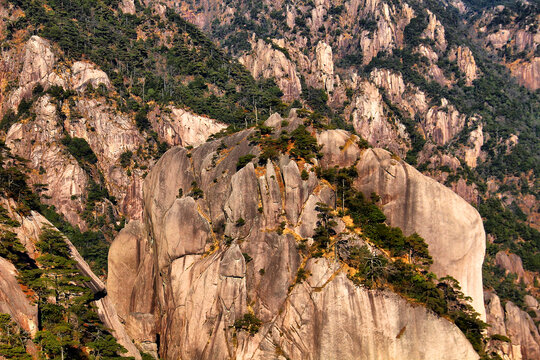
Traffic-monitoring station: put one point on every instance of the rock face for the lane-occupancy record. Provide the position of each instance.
(369, 119)
(388, 327)
(127, 6)
(202, 259)
(476, 140)
(40, 142)
(435, 31)
(84, 74)
(512, 263)
(419, 204)
(13, 300)
(325, 65)
(527, 73)
(514, 323)
(180, 127)
(466, 64)
(130, 263)
(267, 61)
(108, 132)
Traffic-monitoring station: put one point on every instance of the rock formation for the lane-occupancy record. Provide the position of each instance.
(108, 133)
(268, 60)
(205, 256)
(527, 73)
(514, 323)
(14, 301)
(419, 204)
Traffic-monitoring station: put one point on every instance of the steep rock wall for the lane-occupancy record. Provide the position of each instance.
(196, 288)
(416, 203)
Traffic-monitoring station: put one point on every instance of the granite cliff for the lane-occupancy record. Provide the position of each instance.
(184, 277)
(288, 239)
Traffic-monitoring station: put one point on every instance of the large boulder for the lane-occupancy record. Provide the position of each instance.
(451, 227)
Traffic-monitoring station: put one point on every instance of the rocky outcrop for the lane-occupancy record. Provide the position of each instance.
(130, 272)
(39, 141)
(512, 264)
(466, 63)
(127, 6)
(409, 98)
(271, 60)
(435, 31)
(84, 74)
(440, 123)
(37, 68)
(370, 121)
(226, 245)
(390, 24)
(474, 151)
(180, 127)
(325, 65)
(416, 203)
(527, 73)
(443, 122)
(109, 133)
(14, 297)
(514, 323)
(388, 327)
(14, 301)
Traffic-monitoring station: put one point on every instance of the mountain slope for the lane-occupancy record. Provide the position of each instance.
(92, 94)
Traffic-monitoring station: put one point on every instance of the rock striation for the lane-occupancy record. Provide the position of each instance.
(273, 61)
(203, 257)
(14, 301)
(510, 321)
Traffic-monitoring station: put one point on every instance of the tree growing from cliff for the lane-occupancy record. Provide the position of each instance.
(69, 322)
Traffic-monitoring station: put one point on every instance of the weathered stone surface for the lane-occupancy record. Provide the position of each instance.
(185, 231)
(242, 203)
(476, 140)
(370, 121)
(313, 322)
(201, 290)
(514, 323)
(527, 73)
(467, 64)
(84, 74)
(13, 300)
(443, 122)
(435, 31)
(269, 62)
(127, 6)
(339, 148)
(130, 284)
(180, 127)
(39, 141)
(416, 203)
(512, 263)
(325, 65)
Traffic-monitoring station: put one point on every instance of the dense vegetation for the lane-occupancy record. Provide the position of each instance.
(12, 339)
(68, 323)
(511, 233)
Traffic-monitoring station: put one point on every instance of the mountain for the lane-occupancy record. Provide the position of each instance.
(335, 130)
